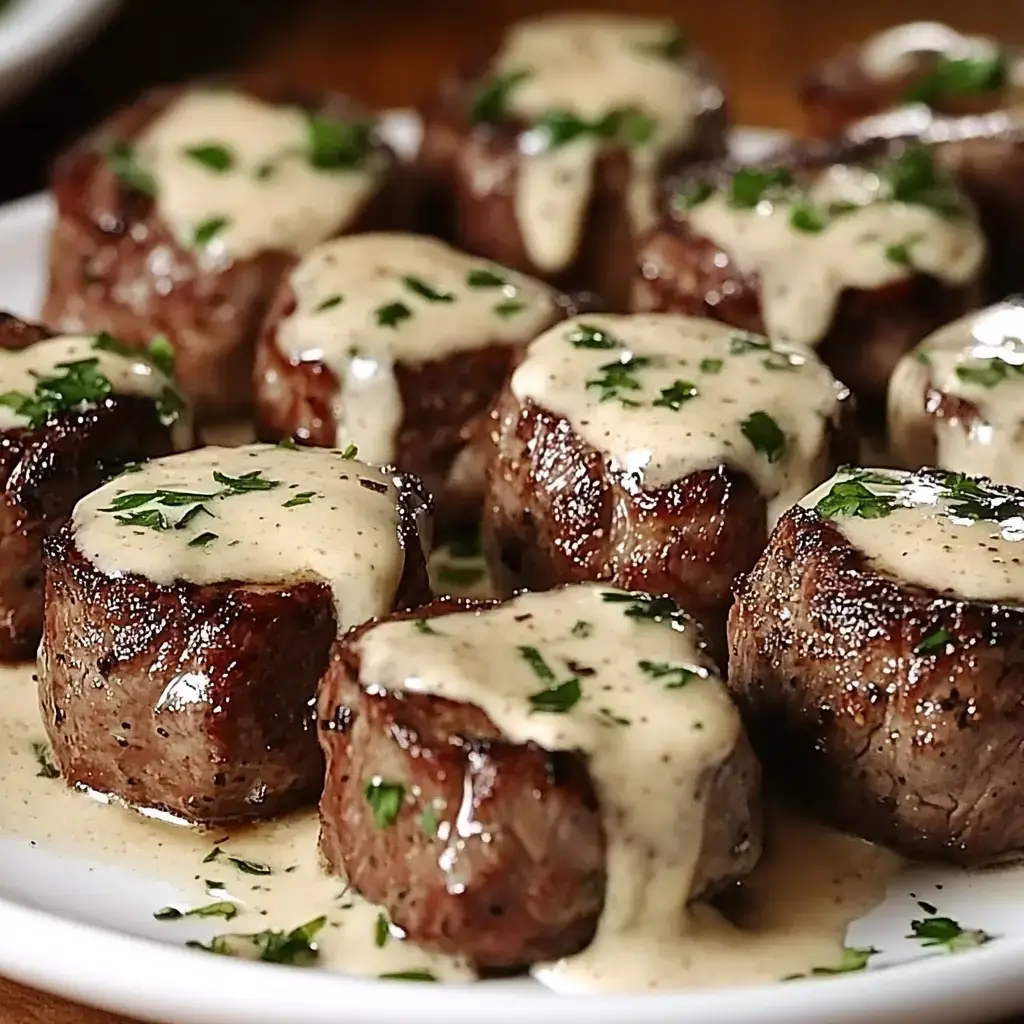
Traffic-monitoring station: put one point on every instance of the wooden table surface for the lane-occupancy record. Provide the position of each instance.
(388, 52)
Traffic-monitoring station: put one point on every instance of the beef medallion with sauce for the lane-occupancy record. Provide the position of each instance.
(181, 214)
(957, 400)
(877, 654)
(398, 344)
(547, 156)
(553, 777)
(189, 613)
(74, 411)
(655, 451)
(918, 63)
(856, 252)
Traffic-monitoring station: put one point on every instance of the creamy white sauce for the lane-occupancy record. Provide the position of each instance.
(896, 51)
(924, 541)
(344, 289)
(343, 528)
(21, 370)
(589, 65)
(803, 274)
(980, 359)
(656, 445)
(652, 749)
(292, 207)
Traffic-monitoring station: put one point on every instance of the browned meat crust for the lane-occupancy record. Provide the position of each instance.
(557, 512)
(43, 473)
(680, 271)
(115, 266)
(530, 886)
(919, 751)
(192, 699)
(469, 174)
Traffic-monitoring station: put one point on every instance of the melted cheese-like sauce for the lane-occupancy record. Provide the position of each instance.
(342, 527)
(802, 274)
(344, 287)
(979, 359)
(292, 206)
(735, 376)
(923, 540)
(649, 747)
(21, 369)
(589, 65)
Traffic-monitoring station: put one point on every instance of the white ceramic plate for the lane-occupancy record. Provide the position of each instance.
(86, 931)
(35, 35)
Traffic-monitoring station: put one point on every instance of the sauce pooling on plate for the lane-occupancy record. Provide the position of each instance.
(77, 372)
(583, 82)
(850, 228)
(962, 390)
(958, 535)
(366, 302)
(259, 514)
(233, 176)
(664, 396)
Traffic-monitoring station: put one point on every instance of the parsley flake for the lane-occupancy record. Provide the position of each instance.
(330, 302)
(959, 76)
(44, 758)
(223, 908)
(302, 498)
(484, 278)
(203, 539)
(426, 291)
(334, 145)
(277, 947)
(765, 435)
(588, 336)
(508, 308)
(934, 641)
(491, 100)
(392, 314)
(854, 958)
(385, 800)
(208, 230)
(676, 396)
(407, 976)
(620, 376)
(946, 933)
(850, 498)
(213, 156)
(675, 677)
(120, 159)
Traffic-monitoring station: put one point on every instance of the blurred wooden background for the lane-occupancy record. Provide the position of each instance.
(388, 52)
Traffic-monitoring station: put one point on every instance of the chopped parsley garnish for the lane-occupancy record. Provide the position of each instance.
(302, 498)
(424, 627)
(647, 606)
(223, 908)
(693, 196)
(350, 452)
(627, 125)
(741, 344)
(385, 800)
(72, 385)
(150, 519)
(749, 186)
(913, 178)
(509, 308)
(711, 365)
(618, 377)
(276, 947)
(247, 482)
(484, 278)
(934, 641)
(329, 303)
(202, 540)
(491, 101)
(381, 930)
(158, 352)
(208, 231)
(958, 76)
(47, 769)
(987, 372)
(583, 629)
(852, 499)
(121, 160)
(429, 821)
(676, 396)
(855, 958)
(588, 336)
(899, 253)
(608, 717)
(425, 291)
(970, 501)
(250, 867)
(407, 976)
(392, 314)
(765, 435)
(169, 405)
(213, 156)
(334, 145)
(212, 855)
(946, 933)
(675, 677)
(557, 699)
(805, 216)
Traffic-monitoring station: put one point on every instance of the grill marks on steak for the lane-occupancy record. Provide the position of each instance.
(497, 850)
(43, 472)
(115, 266)
(920, 751)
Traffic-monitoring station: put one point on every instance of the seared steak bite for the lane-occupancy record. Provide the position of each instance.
(957, 400)
(399, 345)
(181, 214)
(190, 610)
(546, 157)
(512, 781)
(73, 412)
(654, 451)
(877, 654)
(859, 254)
(921, 62)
